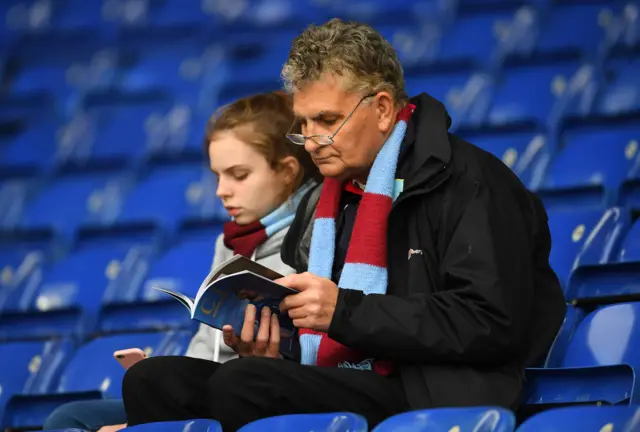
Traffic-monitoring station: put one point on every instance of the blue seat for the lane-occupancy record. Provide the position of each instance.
(13, 196)
(70, 292)
(168, 194)
(380, 12)
(600, 362)
(73, 200)
(124, 130)
(618, 277)
(30, 368)
(334, 422)
(33, 149)
(526, 153)
(585, 419)
(21, 268)
(569, 233)
(181, 268)
(573, 318)
(466, 96)
(551, 90)
(573, 29)
(477, 419)
(198, 425)
(92, 373)
(622, 92)
(591, 166)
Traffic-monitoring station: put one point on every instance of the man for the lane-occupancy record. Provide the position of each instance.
(428, 280)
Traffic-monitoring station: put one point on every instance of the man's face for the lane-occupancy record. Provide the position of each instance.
(321, 107)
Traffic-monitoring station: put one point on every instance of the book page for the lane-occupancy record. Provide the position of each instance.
(186, 301)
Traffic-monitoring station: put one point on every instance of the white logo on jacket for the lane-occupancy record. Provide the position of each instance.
(413, 252)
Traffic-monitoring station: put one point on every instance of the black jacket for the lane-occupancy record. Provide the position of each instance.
(463, 318)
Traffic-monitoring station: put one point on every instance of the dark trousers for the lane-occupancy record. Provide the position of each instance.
(243, 390)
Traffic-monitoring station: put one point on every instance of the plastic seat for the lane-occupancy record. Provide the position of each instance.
(181, 268)
(21, 269)
(68, 296)
(599, 364)
(569, 232)
(573, 30)
(591, 166)
(548, 88)
(73, 200)
(125, 130)
(573, 318)
(466, 96)
(199, 425)
(617, 278)
(333, 422)
(13, 196)
(168, 194)
(33, 149)
(526, 153)
(477, 419)
(92, 373)
(585, 419)
(622, 92)
(30, 368)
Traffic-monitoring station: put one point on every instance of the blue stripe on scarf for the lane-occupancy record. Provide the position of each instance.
(283, 216)
(323, 239)
(309, 344)
(381, 179)
(367, 278)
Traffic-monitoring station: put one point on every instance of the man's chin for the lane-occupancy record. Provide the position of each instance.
(331, 170)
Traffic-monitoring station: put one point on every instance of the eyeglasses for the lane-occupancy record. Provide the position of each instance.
(323, 140)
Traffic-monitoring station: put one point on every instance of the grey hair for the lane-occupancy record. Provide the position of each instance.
(353, 50)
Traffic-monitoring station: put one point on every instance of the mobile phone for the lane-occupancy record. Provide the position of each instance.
(129, 357)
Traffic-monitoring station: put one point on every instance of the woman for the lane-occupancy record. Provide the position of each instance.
(261, 180)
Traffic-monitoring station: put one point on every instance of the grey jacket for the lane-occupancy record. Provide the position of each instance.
(207, 343)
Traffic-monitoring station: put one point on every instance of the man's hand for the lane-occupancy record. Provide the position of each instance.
(313, 308)
(267, 343)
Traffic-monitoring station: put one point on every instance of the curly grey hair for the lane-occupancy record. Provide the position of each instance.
(349, 49)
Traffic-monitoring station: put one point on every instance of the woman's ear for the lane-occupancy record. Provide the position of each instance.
(289, 167)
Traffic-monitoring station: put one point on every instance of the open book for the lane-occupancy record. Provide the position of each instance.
(228, 289)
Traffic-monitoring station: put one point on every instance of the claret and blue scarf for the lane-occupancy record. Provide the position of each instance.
(365, 267)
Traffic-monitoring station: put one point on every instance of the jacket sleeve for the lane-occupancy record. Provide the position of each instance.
(480, 310)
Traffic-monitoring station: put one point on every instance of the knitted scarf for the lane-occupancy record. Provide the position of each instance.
(244, 239)
(365, 267)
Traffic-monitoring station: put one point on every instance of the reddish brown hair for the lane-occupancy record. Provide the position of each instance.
(262, 121)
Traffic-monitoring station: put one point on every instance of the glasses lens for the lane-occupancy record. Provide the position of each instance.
(297, 139)
(322, 139)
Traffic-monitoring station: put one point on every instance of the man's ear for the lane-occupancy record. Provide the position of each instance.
(385, 111)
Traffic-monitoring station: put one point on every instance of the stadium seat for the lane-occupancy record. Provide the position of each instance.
(573, 318)
(574, 29)
(35, 148)
(465, 96)
(569, 232)
(125, 129)
(92, 373)
(551, 90)
(526, 153)
(618, 278)
(477, 419)
(20, 274)
(30, 368)
(170, 193)
(14, 193)
(69, 294)
(591, 166)
(199, 425)
(585, 419)
(622, 93)
(333, 422)
(181, 268)
(73, 200)
(600, 362)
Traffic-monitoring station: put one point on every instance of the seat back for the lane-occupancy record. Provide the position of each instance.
(331, 422)
(585, 419)
(477, 419)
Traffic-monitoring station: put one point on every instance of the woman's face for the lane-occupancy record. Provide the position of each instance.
(248, 187)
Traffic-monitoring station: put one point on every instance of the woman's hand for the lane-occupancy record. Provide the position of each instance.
(267, 342)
